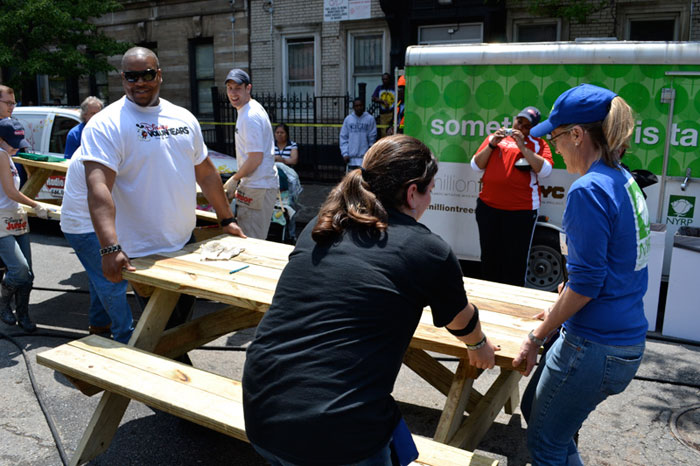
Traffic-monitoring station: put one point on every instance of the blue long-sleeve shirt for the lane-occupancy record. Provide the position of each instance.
(356, 136)
(73, 140)
(608, 236)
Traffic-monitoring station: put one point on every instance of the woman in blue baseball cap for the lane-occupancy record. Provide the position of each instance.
(600, 308)
(15, 250)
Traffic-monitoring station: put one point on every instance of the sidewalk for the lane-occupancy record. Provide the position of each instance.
(642, 426)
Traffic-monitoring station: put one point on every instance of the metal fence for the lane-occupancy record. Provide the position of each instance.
(314, 124)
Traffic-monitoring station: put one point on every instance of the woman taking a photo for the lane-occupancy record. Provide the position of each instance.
(286, 151)
(607, 236)
(15, 250)
(319, 374)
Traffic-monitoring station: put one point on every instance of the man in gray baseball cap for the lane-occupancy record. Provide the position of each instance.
(255, 185)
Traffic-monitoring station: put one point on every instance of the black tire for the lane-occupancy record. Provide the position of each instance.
(545, 267)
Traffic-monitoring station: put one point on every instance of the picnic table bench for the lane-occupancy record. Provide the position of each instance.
(506, 314)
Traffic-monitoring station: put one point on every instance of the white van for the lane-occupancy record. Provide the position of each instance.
(46, 130)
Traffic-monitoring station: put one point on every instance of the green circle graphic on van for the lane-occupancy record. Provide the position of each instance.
(427, 94)
(522, 94)
(615, 71)
(456, 107)
(457, 94)
(489, 95)
(507, 70)
(553, 91)
(636, 95)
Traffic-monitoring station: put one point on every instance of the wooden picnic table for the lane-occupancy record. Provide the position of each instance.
(38, 172)
(506, 314)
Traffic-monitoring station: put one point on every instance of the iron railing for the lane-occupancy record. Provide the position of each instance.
(314, 124)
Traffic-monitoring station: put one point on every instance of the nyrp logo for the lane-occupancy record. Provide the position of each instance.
(681, 210)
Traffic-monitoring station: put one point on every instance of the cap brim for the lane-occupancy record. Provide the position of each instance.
(541, 129)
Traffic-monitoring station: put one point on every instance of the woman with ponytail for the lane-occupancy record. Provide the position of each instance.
(319, 374)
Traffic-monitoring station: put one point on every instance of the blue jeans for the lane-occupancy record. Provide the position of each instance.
(578, 375)
(107, 300)
(16, 253)
(381, 458)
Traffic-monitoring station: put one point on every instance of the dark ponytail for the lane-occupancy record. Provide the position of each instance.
(361, 199)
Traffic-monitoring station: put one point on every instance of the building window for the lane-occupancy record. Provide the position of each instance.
(462, 33)
(202, 76)
(668, 22)
(536, 31)
(99, 86)
(300, 66)
(652, 29)
(367, 63)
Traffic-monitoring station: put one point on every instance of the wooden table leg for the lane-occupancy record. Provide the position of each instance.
(106, 418)
(36, 179)
(457, 400)
(480, 419)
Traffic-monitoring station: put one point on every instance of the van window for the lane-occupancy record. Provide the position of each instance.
(59, 133)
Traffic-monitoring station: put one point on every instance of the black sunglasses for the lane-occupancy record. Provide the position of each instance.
(147, 75)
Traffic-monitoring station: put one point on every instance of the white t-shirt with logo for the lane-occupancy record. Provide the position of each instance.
(254, 134)
(153, 151)
(75, 215)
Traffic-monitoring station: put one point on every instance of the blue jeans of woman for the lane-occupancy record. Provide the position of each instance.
(16, 253)
(381, 458)
(108, 302)
(578, 375)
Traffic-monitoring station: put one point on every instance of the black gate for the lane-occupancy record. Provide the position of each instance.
(314, 124)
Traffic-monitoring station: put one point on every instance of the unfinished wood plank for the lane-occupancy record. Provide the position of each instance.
(456, 402)
(197, 332)
(36, 180)
(431, 452)
(198, 396)
(101, 428)
(479, 421)
(204, 287)
(429, 338)
(58, 167)
(152, 322)
(429, 369)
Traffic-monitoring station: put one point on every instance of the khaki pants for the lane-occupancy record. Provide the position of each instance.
(254, 208)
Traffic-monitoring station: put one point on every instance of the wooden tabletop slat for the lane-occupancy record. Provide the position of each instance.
(506, 312)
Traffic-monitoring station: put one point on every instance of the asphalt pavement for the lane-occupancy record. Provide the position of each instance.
(655, 421)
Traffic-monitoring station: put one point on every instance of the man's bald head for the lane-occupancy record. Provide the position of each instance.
(139, 52)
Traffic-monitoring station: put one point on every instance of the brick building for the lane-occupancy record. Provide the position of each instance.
(307, 46)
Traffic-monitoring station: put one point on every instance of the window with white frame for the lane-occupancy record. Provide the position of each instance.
(300, 73)
(536, 30)
(460, 33)
(367, 62)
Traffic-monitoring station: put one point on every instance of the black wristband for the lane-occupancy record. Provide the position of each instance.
(470, 326)
(110, 249)
(227, 221)
(492, 146)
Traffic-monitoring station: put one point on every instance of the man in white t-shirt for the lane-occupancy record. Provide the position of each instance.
(142, 157)
(256, 179)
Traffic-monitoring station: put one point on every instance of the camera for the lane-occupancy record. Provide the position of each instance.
(509, 131)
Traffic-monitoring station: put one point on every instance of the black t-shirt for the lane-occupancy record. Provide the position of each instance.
(319, 374)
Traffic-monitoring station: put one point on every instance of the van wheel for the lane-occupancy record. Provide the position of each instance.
(545, 268)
